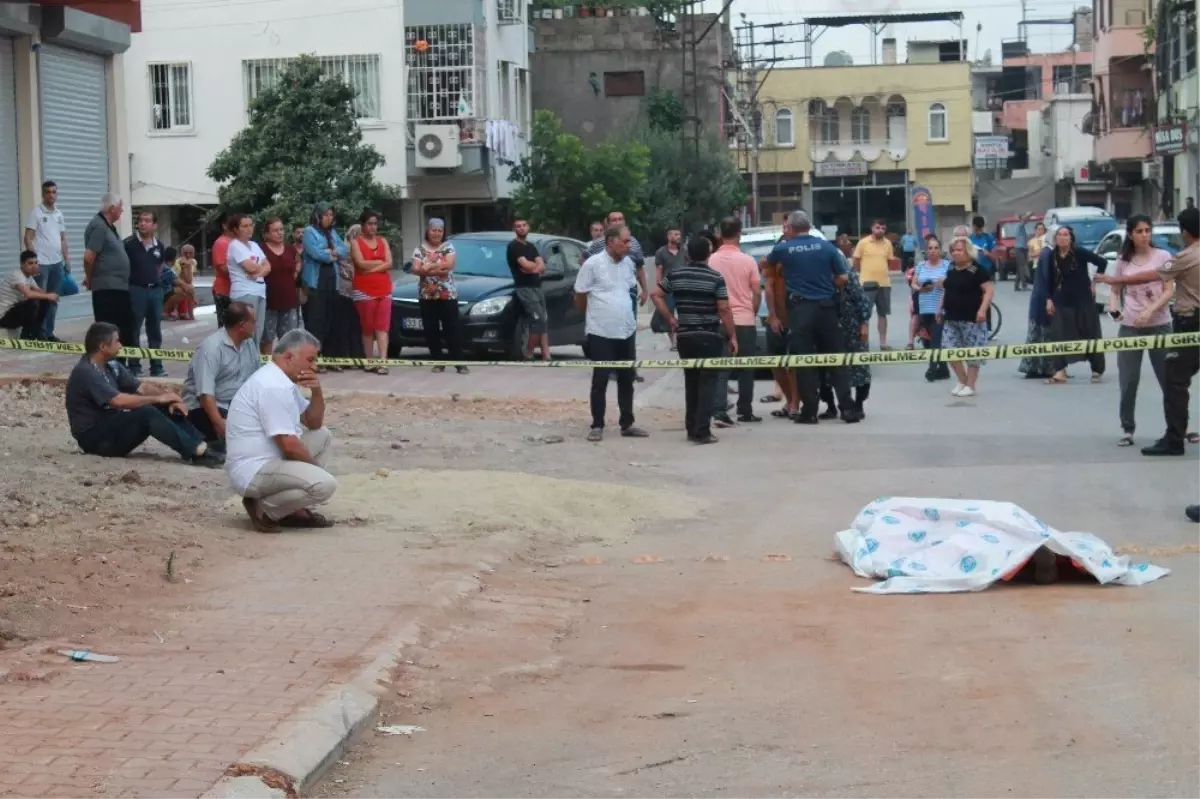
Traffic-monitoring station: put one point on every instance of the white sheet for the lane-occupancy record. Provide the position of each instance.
(948, 545)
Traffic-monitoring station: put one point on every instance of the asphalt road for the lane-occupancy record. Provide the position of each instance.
(715, 670)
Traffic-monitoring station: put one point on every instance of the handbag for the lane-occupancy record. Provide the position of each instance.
(345, 277)
(658, 324)
(68, 287)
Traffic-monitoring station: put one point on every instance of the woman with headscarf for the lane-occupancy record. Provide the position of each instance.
(433, 262)
(323, 250)
(1064, 281)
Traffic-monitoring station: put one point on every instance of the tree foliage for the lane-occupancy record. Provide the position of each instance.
(685, 190)
(564, 186)
(302, 146)
(664, 111)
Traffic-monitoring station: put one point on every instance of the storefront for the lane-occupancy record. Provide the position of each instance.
(849, 196)
(74, 135)
(10, 196)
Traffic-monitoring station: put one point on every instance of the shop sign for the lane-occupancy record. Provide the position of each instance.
(1170, 139)
(840, 169)
(988, 147)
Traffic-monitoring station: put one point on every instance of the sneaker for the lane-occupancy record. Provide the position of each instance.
(806, 418)
(957, 390)
(462, 370)
(595, 434)
(830, 413)
(722, 420)
(1163, 447)
(1192, 512)
(967, 391)
(437, 370)
(634, 432)
(748, 418)
(209, 460)
(851, 417)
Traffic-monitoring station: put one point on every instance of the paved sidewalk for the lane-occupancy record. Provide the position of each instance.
(237, 659)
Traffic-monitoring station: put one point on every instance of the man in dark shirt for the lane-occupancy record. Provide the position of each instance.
(527, 267)
(666, 259)
(702, 323)
(112, 413)
(145, 253)
(812, 271)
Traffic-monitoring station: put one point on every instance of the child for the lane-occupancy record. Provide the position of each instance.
(181, 302)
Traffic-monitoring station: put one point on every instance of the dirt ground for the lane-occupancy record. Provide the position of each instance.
(91, 545)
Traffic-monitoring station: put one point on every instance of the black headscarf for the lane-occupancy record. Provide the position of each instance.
(319, 210)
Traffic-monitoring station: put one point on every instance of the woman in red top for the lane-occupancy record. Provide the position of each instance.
(220, 254)
(283, 293)
(373, 288)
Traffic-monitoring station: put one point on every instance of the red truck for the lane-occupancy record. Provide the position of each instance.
(1006, 236)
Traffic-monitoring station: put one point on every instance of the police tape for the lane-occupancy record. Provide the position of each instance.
(989, 353)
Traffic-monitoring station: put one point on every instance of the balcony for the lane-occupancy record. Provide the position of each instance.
(849, 150)
(1117, 43)
(1123, 144)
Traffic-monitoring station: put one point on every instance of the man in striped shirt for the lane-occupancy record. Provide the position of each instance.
(616, 219)
(703, 323)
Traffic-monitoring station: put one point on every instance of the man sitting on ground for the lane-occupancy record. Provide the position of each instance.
(22, 304)
(112, 413)
(277, 447)
(220, 366)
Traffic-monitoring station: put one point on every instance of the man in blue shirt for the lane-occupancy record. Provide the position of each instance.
(908, 246)
(812, 270)
(1021, 252)
(984, 242)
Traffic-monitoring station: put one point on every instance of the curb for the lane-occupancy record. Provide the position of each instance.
(297, 752)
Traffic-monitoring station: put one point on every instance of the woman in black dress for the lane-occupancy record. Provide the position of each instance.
(1064, 280)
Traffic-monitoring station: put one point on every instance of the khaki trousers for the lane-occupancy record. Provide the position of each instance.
(284, 487)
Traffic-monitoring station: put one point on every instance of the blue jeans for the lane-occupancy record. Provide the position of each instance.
(147, 309)
(50, 278)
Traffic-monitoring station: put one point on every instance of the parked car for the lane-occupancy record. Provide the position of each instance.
(1165, 236)
(491, 322)
(1006, 238)
(1090, 224)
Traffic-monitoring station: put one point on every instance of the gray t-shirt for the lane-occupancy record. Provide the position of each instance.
(91, 388)
(219, 369)
(110, 270)
(669, 262)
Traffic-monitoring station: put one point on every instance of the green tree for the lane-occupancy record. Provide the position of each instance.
(563, 186)
(302, 146)
(684, 189)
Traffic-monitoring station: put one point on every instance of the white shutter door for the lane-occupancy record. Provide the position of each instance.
(10, 195)
(74, 135)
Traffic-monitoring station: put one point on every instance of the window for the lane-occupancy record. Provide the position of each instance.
(504, 78)
(1075, 76)
(860, 125)
(359, 72)
(445, 75)
(826, 119)
(170, 97)
(522, 119)
(785, 135)
(937, 122)
(625, 84)
(508, 11)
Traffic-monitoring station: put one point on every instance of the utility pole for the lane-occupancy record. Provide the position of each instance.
(755, 133)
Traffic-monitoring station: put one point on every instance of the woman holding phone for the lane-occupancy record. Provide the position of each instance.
(927, 281)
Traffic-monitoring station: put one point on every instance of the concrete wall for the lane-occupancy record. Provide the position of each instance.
(1071, 147)
(569, 51)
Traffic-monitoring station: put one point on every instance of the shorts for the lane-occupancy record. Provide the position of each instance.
(965, 334)
(880, 297)
(280, 322)
(374, 315)
(532, 303)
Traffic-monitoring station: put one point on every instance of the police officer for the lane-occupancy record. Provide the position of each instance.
(812, 270)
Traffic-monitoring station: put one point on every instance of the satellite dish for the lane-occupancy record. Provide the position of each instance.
(839, 58)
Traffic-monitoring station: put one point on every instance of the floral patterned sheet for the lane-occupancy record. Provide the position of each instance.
(920, 546)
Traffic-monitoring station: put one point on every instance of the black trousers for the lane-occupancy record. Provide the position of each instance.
(814, 328)
(115, 307)
(199, 420)
(860, 392)
(1182, 365)
(747, 341)
(700, 385)
(612, 349)
(935, 371)
(28, 315)
(441, 323)
(121, 433)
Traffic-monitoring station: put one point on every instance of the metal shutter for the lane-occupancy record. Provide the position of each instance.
(10, 195)
(74, 135)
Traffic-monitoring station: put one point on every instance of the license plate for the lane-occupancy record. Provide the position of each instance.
(412, 323)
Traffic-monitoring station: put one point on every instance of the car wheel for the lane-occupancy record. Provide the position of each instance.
(516, 342)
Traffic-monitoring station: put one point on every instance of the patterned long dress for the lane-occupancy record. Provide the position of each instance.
(856, 312)
(1039, 327)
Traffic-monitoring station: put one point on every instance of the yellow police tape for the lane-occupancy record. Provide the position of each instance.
(988, 353)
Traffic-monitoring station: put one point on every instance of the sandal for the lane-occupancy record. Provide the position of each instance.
(909, 347)
(381, 370)
(1055, 381)
(1125, 440)
(1097, 378)
(262, 523)
(767, 400)
(305, 520)
(1193, 438)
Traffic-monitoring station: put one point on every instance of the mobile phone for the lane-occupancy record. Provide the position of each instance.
(1115, 315)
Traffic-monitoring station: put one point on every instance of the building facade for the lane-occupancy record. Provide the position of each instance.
(1177, 128)
(595, 72)
(61, 112)
(851, 142)
(1026, 83)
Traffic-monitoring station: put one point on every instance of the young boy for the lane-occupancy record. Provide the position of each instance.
(22, 304)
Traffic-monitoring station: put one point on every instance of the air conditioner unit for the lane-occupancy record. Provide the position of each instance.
(437, 147)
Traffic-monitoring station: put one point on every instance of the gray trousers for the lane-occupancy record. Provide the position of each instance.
(284, 487)
(1129, 371)
(747, 341)
(259, 304)
(1021, 260)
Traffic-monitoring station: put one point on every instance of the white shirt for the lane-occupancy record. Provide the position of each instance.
(10, 290)
(267, 405)
(240, 283)
(48, 228)
(607, 284)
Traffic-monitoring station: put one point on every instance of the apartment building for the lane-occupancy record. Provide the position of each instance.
(61, 111)
(1177, 127)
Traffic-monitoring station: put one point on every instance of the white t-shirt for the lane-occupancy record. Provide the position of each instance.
(48, 228)
(240, 283)
(269, 404)
(607, 284)
(10, 292)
